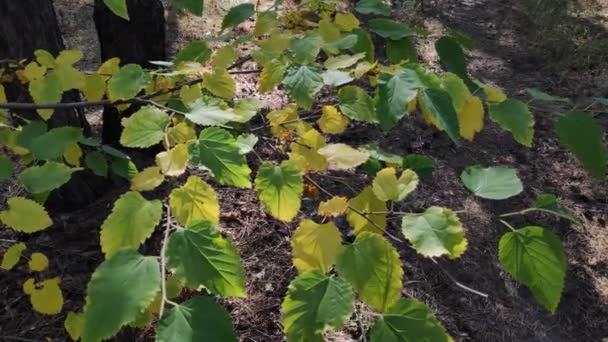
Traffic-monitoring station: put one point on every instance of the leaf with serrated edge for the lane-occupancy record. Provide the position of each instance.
(305, 151)
(50, 176)
(342, 156)
(582, 135)
(515, 117)
(361, 219)
(335, 207)
(496, 183)
(194, 201)
(315, 246)
(12, 255)
(46, 297)
(332, 121)
(220, 83)
(25, 215)
(73, 324)
(279, 188)
(148, 179)
(144, 128)
(127, 82)
(303, 83)
(173, 163)
(387, 187)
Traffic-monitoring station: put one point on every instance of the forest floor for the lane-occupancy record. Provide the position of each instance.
(506, 58)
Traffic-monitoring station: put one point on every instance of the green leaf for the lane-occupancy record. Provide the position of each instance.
(314, 304)
(376, 152)
(46, 89)
(303, 83)
(394, 93)
(246, 142)
(357, 104)
(25, 215)
(497, 183)
(582, 135)
(119, 289)
(118, 7)
(131, 222)
(372, 266)
(439, 105)
(363, 221)
(387, 187)
(194, 6)
(272, 75)
(535, 257)
(401, 50)
(31, 131)
(315, 246)
(451, 56)
(265, 22)
(343, 61)
(336, 78)
(124, 168)
(50, 176)
(144, 128)
(7, 167)
(408, 320)
(12, 255)
(389, 29)
(196, 51)
(306, 49)
(220, 83)
(97, 162)
(210, 113)
(435, 232)
(53, 143)
(237, 15)
(279, 188)
(550, 202)
(373, 7)
(197, 319)
(194, 201)
(515, 117)
(217, 151)
(364, 44)
(423, 165)
(127, 82)
(538, 95)
(202, 257)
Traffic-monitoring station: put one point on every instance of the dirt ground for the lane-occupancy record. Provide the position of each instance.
(504, 58)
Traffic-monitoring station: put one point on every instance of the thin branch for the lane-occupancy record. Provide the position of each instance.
(163, 267)
(542, 210)
(458, 283)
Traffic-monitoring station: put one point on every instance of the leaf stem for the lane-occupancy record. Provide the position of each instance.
(542, 210)
(507, 224)
(163, 266)
(458, 283)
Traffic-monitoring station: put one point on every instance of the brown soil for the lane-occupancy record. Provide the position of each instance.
(503, 58)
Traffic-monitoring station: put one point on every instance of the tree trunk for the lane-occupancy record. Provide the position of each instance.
(138, 40)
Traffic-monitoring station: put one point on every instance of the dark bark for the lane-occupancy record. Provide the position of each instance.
(138, 40)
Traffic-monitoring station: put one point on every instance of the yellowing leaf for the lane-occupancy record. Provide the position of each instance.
(332, 121)
(68, 57)
(315, 246)
(46, 297)
(25, 215)
(38, 262)
(366, 213)
(470, 118)
(148, 179)
(109, 67)
(12, 255)
(46, 89)
(94, 87)
(29, 286)
(194, 201)
(73, 324)
(283, 120)
(411, 106)
(304, 152)
(387, 187)
(220, 83)
(346, 21)
(72, 154)
(190, 94)
(70, 77)
(493, 95)
(174, 162)
(329, 31)
(224, 56)
(181, 133)
(271, 75)
(280, 189)
(336, 206)
(34, 71)
(363, 68)
(342, 156)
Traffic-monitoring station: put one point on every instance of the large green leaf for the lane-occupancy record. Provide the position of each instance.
(196, 51)
(217, 151)
(364, 44)
(452, 57)
(52, 144)
(202, 257)
(144, 128)
(211, 113)
(303, 83)
(306, 48)
(497, 183)
(366, 213)
(127, 82)
(197, 319)
(439, 105)
(435, 232)
(372, 266)
(25, 215)
(373, 7)
(119, 289)
(582, 135)
(389, 29)
(394, 93)
(315, 303)
(237, 15)
(401, 50)
(194, 6)
(7, 167)
(130, 223)
(423, 165)
(31, 131)
(515, 117)
(118, 7)
(408, 320)
(50, 176)
(535, 257)
(280, 189)
(357, 104)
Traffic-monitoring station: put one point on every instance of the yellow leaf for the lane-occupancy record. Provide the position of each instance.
(21, 76)
(332, 121)
(305, 152)
(70, 77)
(428, 117)
(46, 297)
(411, 106)
(220, 83)
(148, 179)
(29, 286)
(346, 21)
(315, 246)
(45, 58)
(25, 215)
(34, 71)
(38, 262)
(68, 57)
(194, 201)
(224, 56)
(109, 67)
(73, 324)
(181, 133)
(12, 255)
(335, 207)
(72, 154)
(174, 162)
(189, 94)
(470, 118)
(342, 156)
(493, 95)
(366, 213)
(329, 31)
(363, 68)
(387, 187)
(94, 87)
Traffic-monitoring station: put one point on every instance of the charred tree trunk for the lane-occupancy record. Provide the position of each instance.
(138, 40)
